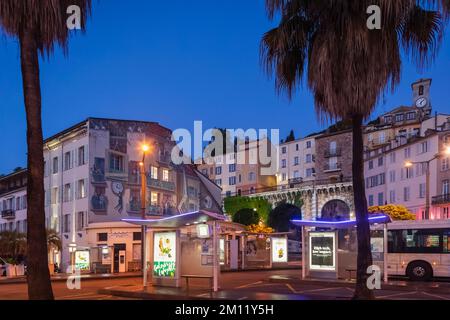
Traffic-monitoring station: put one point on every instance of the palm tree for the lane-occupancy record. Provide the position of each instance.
(12, 245)
(39, 27)
(348, 67)
(53, 240)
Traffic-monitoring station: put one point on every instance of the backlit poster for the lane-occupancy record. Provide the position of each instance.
(82, 260)
(164, 253)
(322, 246)
(279, 249)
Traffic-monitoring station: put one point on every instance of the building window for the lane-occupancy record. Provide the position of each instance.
(81, 156)
(251, 176)
(309, 172)
(423, 147)
(154, 173)
(370, 164)
(296, 161)
(228, 193)
(55, 165)
(219, 182)
(80, 221)
(392, 157)
(422, 190)
(392, 176)
(381, 199)
(308, 144)
(67, 192)
(283, 163)
(296, 174)
(67, 161)
(232, 181)
(445, 164)
(409, 173)
(445, 215)
(55, 195)
(283, 177)
(66, 223)
(218, 170)
(116, 163)
(102, 237)
(205, 172)
(407, 153)
(296, 147)
(165, 175)
(446, 187)
(399, 117)
(283, 150)
(411, 116)
(370, 200)
(406, 194)
(232, 167)
(154, 199)
(421, 89)
(388, 119)
(81, 189)
(308, 158)
(137, 236)
(392, 196)
(380, 161)
(240, 178)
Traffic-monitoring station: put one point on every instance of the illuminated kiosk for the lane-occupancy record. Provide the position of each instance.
(181, 247)
(329, 248)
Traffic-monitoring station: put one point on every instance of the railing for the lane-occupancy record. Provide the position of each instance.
(332, 167)
(333, 153)
(8, 214)
(154, 211)
(159, 184)
(442, 199)
(295, 180)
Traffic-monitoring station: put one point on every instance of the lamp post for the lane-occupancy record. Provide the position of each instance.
(145, 149)
(409, 164)
(72, 250)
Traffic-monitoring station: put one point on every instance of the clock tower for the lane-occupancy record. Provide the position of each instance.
(421, 96)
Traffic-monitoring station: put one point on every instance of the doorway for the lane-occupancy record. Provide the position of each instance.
(118, 252)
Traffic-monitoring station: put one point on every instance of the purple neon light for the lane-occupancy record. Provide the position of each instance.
(162, 219)
(339, 222)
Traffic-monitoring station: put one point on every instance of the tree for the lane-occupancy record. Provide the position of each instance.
(348, 67)
(396, 212)
(246, 217)
(234, 204)
(39, 27)
(12, 246)
(280, 217)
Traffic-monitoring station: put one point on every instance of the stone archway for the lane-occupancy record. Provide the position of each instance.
(335, 210)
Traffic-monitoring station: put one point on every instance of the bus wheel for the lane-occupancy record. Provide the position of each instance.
(419, 271)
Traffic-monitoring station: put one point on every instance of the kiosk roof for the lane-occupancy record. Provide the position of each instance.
(340, 224)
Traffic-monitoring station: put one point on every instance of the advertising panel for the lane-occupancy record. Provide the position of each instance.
(322, 251)
(164, 253)
(279, 249)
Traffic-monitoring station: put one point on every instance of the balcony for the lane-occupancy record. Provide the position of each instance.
(99, 203)
(8, 214)
(162, 185)
(442, 199)
(295, 181)
(134, 206)
(154, 211)
(98, 177)
(333, 153)
(333, 167)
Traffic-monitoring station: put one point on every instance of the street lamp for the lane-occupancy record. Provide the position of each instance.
(145, 148)
(409, 164)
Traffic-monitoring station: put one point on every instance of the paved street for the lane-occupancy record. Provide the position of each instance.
(279, 284)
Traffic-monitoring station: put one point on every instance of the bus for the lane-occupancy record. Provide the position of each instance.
(419, 250)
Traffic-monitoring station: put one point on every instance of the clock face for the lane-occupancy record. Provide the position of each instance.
(421, 102)
(117, 187)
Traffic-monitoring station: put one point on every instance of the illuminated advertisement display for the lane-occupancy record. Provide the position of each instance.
(322, 246)
(279, 250)
(164, 253)
(82, 260)
(222, 251)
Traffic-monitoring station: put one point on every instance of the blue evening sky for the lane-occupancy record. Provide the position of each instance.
(172, 62)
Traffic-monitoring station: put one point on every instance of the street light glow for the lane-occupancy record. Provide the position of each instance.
(408, 164)
(447, 150)
(145, 147)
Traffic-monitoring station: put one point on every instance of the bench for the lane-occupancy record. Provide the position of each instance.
(193, 276)
(101, 268)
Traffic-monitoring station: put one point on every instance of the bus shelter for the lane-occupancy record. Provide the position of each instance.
(181, 247)
(329, 248)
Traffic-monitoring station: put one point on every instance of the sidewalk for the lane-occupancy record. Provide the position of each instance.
(63, 277)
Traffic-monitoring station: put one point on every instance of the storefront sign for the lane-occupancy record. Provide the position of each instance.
(82, 260)
(203, 231)
(322, 250)
(164, 253)
(279, 250)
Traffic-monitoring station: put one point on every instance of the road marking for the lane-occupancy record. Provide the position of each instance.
(248, 285)
(291, 288)
(397, 294)
(243, 298)
(78, 295)
(434, 295)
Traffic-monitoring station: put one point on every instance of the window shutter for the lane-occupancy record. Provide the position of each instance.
(75, 158)
(85, 154)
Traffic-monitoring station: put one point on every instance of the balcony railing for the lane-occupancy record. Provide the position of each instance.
(295, 180)
(159, 184)
(333, 153)
(332, 167)
(8, 214)
(442, 199)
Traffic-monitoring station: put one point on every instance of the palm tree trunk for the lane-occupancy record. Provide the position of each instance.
(364, 259)
(38, 275)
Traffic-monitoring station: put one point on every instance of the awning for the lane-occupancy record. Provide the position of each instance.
(340, 224)
(178, 221)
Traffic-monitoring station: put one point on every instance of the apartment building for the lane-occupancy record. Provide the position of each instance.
(13, 201)
(296, 162)
(92, 181)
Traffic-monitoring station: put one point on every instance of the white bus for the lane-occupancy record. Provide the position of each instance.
(419, 250)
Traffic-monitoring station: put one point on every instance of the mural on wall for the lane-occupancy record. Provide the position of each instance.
(99, 201)
(98, 170)
(118, 189)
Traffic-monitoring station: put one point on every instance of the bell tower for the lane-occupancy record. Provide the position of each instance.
(421, 95)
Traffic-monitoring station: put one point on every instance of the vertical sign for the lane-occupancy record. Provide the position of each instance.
(279, 249)
(322, 251)
(164, 253)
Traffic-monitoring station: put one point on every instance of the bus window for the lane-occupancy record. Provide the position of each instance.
(446, 242)
(415, 241)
